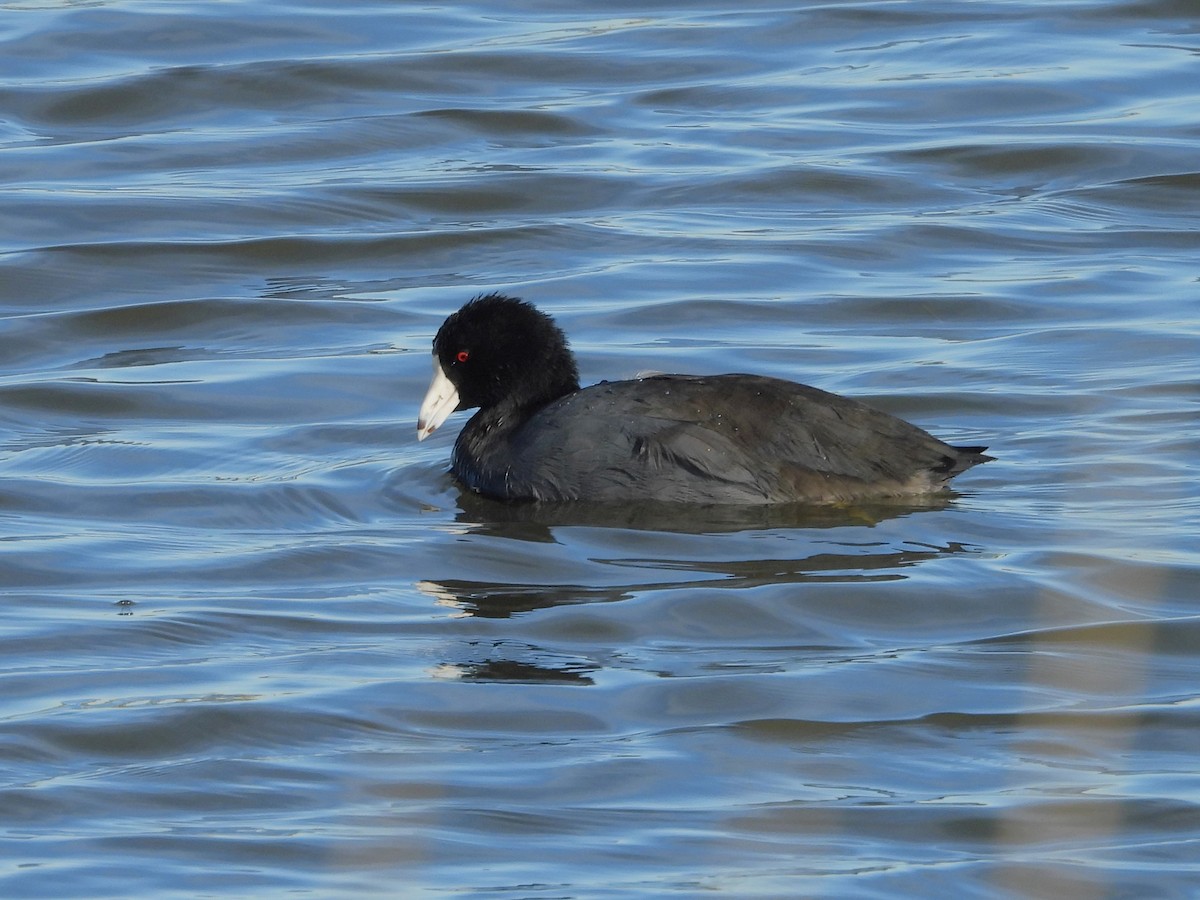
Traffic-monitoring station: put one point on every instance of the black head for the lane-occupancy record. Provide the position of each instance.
(500, 350)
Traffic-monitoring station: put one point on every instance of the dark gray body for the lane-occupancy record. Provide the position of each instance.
(725, 439)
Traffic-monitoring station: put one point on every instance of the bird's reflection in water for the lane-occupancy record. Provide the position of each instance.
(491, 600)
(501, 601)
(532, 521)
(852, 556)
(497, 667)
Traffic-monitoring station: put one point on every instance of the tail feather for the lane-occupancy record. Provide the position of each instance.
(963, 459)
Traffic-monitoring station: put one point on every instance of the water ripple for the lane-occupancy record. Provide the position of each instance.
(256, 640)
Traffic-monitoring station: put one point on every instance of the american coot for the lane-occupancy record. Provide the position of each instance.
(721, 439)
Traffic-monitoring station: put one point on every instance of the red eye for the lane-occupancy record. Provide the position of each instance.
(462, 356)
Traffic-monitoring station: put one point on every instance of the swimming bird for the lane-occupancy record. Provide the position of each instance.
(692, 439)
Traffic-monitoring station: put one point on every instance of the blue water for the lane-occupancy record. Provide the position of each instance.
(254, 641)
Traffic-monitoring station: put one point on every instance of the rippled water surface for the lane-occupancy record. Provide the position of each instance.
(255, 642)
